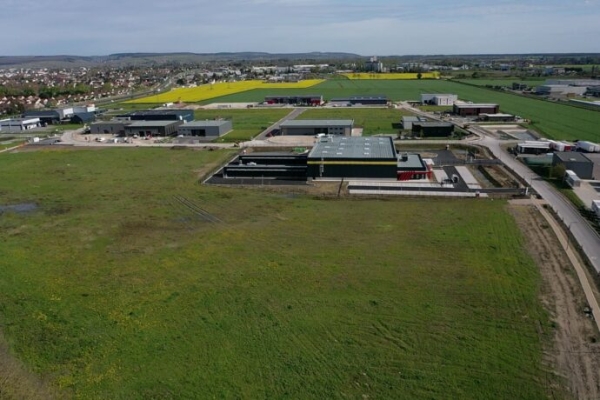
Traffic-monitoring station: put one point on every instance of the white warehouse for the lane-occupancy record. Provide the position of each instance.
(438, 99)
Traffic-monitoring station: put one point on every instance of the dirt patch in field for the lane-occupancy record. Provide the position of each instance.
(575, 354)
(16, 382)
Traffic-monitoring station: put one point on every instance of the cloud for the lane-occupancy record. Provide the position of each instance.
(367, 27)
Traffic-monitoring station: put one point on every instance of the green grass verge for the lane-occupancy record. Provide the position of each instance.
(373, 121)
(246, 123)
(114, 289)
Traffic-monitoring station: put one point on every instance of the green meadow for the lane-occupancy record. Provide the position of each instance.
(127, 279)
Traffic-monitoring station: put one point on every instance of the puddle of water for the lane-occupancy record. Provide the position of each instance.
(21, 208)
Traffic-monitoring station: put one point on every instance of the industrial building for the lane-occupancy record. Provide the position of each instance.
(317, 126)
(83, 118)
(113, 127)
(533, 147)
(205, 129)
(378, 100)
(411, 166)
(306, 100)
(439, 99)
(473, 109)
(374, 65)
(576, 162)
(353, 157)
(560, 90)
(152, 128)
(496, 117)
(19, 124)
(272, 165)
(409, 120)
(50, 116)
(432, 129)
(159, 115)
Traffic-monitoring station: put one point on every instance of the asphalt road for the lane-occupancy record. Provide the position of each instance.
(292, 115)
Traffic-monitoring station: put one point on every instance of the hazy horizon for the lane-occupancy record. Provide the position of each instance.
(382, 27)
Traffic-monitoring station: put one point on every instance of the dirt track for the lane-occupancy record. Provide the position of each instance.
(576, 353)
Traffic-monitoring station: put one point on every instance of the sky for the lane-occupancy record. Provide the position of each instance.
(375, 27)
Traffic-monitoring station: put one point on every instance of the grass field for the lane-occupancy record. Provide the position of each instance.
(113, 288)
(559, 121)
(373, 121)
(204, 92)
(246, 123)
(392, 76)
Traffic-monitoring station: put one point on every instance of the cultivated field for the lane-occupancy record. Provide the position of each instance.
(130, 280)
(554, 120)
(204, 92)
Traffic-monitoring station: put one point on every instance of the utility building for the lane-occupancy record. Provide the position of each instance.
(306, 100)
(473, 109)
(432, 129)
(378, 100)
(19, 124)
(152, 128)
(316, 126)
(353, 157)
(205, 129)
(439, 99)
(576, 162)
(159, 115)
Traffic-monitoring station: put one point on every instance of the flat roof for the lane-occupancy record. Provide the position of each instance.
(137, 124)
(572, 156)
(345, 147)
(373, 97)
(438, 94)
(431, 124)
(413, 161)
(160, 112)
(205, 123)
(294, 123)
(475, 105)
(499, 115)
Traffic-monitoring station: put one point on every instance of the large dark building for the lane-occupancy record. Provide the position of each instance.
(576, 162)
(432, 129)
(205, 129)
(353, 157)
(306, 100)
(378, 100)
(312, 127)
(152, 128)
(159, 115)
(471, 109)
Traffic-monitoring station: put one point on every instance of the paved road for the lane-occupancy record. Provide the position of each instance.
(292, 115)
(583, 233)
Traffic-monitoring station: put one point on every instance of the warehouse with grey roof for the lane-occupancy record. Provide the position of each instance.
(316, 126)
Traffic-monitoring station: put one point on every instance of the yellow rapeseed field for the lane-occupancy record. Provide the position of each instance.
(404, 75)
(205, 92)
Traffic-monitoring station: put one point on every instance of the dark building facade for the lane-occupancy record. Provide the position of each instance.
(467, 110)
(432, 129)
(306, 100)
(576, 162)
(159, 115)
(353, 157)
(378, 100)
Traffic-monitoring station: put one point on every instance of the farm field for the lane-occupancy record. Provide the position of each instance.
(246, 123)
(392, 76)
(558, 121)
(503, 82)
(204, 92)
(130, 280)
(372, 120)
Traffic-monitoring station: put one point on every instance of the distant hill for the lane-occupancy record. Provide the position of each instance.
(141, 59)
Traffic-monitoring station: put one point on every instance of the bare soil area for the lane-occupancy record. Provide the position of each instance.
(575, 354)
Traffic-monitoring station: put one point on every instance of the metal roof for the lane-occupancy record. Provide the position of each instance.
(345, 147)
(431, 124)
(159, 112)
(475, 105)
(137, 124)
(373, 97)
(413, 161)
(295, 123)
(205, 123)
(572, 156)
